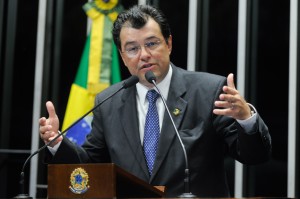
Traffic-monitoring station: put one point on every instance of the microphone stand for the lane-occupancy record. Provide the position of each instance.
(187, 193)
(127, 83)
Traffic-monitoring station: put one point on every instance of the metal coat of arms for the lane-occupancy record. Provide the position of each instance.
(79, 181)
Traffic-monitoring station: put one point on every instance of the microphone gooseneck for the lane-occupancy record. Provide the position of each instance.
(151, 78)
(126, 84)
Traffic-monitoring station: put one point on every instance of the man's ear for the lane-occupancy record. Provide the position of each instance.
(170, 44)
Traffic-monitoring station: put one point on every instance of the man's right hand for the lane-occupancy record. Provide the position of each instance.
(49, 127)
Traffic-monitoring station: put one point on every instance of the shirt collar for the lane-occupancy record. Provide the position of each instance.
(163, 86)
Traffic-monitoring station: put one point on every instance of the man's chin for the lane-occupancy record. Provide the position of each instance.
(146, 83)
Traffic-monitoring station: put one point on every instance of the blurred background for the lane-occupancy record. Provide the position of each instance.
(267, 79)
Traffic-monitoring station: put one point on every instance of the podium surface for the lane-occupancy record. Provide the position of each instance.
(96, 181)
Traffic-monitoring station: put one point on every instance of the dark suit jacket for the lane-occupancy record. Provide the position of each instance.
(208, 138)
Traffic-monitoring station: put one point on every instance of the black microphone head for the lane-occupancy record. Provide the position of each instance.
(130, 81)
(150, 77)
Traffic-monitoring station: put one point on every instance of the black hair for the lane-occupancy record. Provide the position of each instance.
(136, 17)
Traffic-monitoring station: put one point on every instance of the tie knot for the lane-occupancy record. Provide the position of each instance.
(152, 96)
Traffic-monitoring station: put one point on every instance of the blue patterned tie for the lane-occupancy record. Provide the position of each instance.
(151, 134)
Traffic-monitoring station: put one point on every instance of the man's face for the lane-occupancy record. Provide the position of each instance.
(145, 49)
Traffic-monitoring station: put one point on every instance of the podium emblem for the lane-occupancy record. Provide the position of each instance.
(79, 181)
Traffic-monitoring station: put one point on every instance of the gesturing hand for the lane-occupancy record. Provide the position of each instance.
(231, 102)
(49, 127)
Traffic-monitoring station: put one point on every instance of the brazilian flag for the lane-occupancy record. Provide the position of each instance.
(98, 68)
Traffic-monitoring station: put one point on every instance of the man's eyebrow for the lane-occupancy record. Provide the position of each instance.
(151, 37)
(130, 43)
(134, 42)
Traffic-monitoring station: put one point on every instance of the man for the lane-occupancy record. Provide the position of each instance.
(212, 118)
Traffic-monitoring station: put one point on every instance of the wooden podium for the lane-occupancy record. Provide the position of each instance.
(96, 181)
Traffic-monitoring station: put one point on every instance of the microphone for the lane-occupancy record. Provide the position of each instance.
(126, 84)
(150, 77)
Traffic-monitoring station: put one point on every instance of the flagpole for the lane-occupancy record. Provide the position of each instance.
(89, 23)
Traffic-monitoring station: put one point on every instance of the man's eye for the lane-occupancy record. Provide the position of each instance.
(132, 49)
(151, 44)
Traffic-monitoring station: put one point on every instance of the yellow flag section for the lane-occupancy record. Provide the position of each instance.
(98, 68)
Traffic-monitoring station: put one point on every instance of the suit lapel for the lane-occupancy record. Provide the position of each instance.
(129, 120)
(177, 106)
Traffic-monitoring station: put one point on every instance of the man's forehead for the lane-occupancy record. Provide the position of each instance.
(151, 28)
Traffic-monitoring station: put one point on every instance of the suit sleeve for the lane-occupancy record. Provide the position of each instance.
(249, 148)
(67, 153)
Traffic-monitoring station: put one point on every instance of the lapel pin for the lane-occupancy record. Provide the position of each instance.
(176, 111)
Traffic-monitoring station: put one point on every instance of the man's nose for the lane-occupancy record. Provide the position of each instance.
(145, 52)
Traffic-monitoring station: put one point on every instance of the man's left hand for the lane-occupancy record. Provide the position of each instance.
(231, 103)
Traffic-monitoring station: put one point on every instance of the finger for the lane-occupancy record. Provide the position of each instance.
(42, 121)
(51, 138)
(46, 136)
(51, 135)
(228, 112)
(51, 109)
(230, 81)
(223, 104)
(44, 129)
(228, 97)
